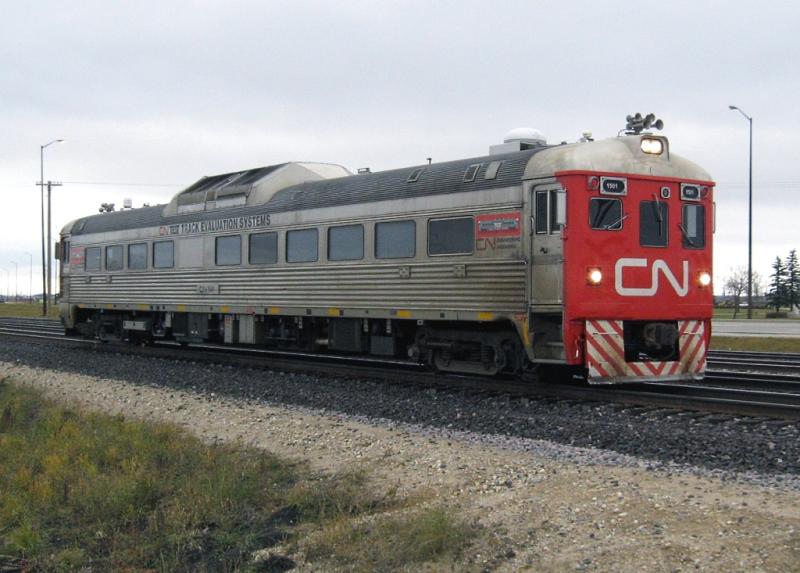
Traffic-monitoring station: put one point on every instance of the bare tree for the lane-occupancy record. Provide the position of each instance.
(735, 285)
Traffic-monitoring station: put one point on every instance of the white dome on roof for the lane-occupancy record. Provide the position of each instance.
(525, 135)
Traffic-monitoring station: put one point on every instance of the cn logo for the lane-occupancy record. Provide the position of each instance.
(658, 266)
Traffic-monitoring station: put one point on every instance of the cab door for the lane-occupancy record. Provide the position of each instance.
(548, 215)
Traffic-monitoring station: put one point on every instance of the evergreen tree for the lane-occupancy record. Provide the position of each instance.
(792, 280)
(777, 288)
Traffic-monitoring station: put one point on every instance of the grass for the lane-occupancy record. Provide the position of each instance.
(725, 313)
(394, 543)
(90, 491)
(755, 344)
(24, 310)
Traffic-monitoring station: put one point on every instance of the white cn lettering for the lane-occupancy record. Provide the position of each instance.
(658, 265)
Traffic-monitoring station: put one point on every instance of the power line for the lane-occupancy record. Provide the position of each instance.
(108, 183)
(126, 184)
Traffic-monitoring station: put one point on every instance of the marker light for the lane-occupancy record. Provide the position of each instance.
(652, 146)
(594, 276)
(704, 279)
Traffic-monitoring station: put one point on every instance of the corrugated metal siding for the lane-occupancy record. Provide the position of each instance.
(436, 179)
(494, 285)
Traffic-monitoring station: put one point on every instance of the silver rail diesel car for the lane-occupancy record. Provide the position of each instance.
(460, 264)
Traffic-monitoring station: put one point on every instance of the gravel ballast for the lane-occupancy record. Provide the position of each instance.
(556, 481)
(766, 450)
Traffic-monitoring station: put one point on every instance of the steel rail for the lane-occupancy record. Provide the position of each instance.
(673, 396)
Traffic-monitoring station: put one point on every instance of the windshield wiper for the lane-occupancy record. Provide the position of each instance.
(615, 223)
(686, 235)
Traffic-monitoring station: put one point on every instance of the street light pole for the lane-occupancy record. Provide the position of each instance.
(30, 278)
(749, 219)
(44, 235)
(16, 283)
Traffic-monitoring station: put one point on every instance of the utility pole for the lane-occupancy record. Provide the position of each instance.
(50, 184)
(44, 237)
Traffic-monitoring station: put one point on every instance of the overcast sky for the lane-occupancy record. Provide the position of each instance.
(150, 96)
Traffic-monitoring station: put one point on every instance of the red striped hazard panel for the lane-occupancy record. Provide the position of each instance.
(605, 354)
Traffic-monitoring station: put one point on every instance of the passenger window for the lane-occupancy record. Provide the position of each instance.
(346, 243)
(137, 256)
(228, 250)
(263, 248)
(92, 258)
(302, 246)
(65, 254)
(540, 217)
(451, 236)
(605, 214)
(653, 223)
(395, 240)
(114, 258)
(163, 254)
(693, 226)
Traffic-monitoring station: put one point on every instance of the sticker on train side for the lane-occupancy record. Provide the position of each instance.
(498, 231)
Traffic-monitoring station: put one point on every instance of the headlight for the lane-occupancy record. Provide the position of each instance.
(652, 146)
(594, 276)
(704, 279)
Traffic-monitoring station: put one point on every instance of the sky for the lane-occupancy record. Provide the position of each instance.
(151, 96)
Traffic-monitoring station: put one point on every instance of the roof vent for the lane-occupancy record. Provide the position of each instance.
(519, 139)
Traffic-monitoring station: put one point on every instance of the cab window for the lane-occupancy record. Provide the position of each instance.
(693, 226)
(605, 214)
(653, 223)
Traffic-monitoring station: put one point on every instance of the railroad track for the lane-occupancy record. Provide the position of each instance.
(773, 361)
(763, 394)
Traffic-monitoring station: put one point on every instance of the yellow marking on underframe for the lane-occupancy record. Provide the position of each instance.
(224, 309)
(141, 306)
(526, 335)
(109, 306)
(485, 316)
(403, 314)
(274, 310)
(181, 308)
(334, 311)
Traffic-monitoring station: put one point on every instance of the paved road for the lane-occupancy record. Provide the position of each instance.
(772, 328)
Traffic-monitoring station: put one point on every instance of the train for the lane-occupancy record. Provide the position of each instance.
(592, 257)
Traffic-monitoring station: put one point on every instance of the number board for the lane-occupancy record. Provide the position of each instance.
(613, 186)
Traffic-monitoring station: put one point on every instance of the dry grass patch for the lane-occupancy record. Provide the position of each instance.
(90, 491)
(406, 542)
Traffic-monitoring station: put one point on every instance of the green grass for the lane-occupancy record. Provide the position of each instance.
(755, 343)
(394, 543)
(24, 310)
(723, 313)
(83, 490)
